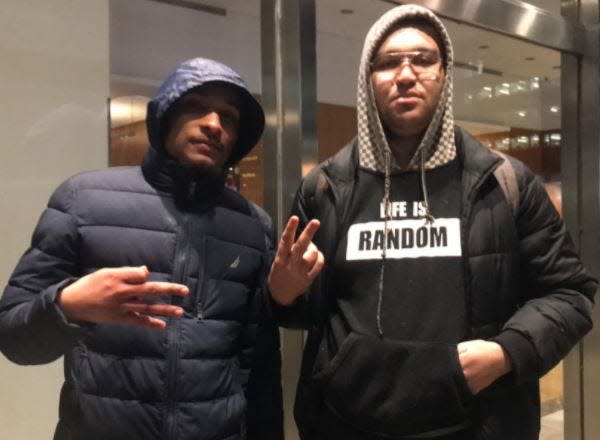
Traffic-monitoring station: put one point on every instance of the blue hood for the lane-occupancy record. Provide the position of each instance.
(192, 74)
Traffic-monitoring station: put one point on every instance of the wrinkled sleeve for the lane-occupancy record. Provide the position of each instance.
(559, 291)
(261, 359)
(33, 329)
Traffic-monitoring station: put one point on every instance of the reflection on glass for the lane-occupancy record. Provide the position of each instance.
(512, 101)
(512, 104)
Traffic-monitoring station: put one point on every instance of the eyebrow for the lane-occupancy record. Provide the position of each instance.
(415, 49)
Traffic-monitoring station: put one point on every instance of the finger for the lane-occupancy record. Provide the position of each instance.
(153, 309)
(305, 238)
(156, 288)
(310, 256)
(462, 348)
(142, 320)
(317, 267)
(287, 237)
(132, 275)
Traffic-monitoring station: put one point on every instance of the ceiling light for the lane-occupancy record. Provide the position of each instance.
(522, 113)
(555, 109)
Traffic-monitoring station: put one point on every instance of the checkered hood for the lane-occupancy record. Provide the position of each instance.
(437, 144)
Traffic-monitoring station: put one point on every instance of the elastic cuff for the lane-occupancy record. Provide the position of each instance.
(522, 355)
(55, 298)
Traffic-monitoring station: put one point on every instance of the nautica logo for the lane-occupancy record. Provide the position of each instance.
(236, 263)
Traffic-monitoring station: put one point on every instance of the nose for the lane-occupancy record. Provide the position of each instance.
(211, 122)
(405, 73)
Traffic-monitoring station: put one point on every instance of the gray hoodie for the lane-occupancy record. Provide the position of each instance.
(437, 146)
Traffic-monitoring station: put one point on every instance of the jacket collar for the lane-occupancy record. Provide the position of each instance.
(477, 161)
(184, 184)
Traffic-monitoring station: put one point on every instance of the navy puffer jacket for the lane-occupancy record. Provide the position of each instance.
(192, 380)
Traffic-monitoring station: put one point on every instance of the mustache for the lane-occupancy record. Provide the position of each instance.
(212, 142)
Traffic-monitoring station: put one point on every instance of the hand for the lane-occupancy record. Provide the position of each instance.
(296, 264)
(119, 295)
(482, 362)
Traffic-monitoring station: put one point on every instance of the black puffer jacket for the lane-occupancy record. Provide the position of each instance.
(526, 289)
(191, 380)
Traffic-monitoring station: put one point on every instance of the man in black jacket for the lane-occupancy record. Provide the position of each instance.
(434, 294)
(150, 280)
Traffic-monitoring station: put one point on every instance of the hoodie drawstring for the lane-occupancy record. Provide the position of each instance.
(429, 219)
(387, 211)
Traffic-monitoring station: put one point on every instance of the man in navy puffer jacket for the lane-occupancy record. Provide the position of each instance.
(150, 281)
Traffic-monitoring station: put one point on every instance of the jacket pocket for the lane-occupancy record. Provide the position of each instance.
(395, 388)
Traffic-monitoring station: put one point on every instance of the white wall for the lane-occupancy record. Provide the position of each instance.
(53, 89)
(148, 39)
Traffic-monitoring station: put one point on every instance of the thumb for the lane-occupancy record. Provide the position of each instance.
(132, 275)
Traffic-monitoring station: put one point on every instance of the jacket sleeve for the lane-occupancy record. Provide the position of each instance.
(559, 292)
(33, 329)
(261, 359)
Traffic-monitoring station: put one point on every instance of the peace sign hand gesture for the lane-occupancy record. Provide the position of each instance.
(297, 263)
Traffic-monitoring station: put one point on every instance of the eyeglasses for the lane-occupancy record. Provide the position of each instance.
(424, 64)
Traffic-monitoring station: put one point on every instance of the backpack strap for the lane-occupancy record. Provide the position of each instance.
(505, 174)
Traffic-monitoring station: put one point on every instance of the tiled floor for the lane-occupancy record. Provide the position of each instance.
(552, 426)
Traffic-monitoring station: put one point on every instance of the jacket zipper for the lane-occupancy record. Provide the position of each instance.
(180, 263)
(199, 299)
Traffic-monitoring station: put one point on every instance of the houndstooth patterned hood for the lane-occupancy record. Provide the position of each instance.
(437, 145)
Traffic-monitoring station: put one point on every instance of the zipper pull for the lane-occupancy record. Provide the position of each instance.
(192, 190)
(200, 311)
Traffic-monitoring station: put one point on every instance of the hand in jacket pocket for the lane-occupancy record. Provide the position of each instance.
(482, 362)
